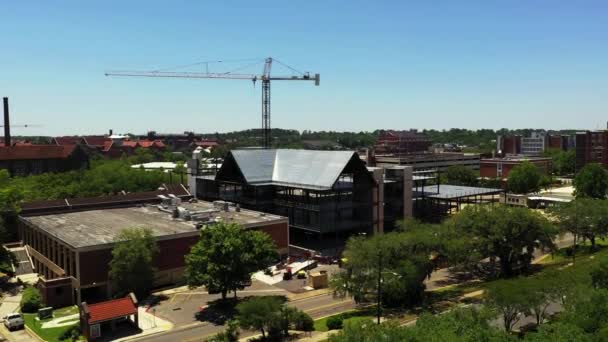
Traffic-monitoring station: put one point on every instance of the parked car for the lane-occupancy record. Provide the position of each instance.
(13, 321)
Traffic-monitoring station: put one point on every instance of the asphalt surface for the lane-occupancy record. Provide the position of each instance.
(316, 306)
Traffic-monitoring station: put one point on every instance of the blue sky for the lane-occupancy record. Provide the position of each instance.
(383, 64)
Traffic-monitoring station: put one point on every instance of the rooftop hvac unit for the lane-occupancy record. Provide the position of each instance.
(165, 201)
(221, 205)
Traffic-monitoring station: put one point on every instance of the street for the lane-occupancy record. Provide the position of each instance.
(316, 306)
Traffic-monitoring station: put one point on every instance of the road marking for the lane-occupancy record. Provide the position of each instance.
(244, 291)
(326, 306)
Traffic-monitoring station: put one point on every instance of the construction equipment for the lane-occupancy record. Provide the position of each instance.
(265, 77)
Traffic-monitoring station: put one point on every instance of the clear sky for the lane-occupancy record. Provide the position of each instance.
(383, 64)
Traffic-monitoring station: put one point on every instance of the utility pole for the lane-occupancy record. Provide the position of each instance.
(379, 294)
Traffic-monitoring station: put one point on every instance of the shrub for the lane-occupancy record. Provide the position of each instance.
(72, 334)
(231, 334)
(304, 322)
(335, 322)
(31, 300)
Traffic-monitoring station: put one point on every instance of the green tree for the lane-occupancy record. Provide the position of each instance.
(226, 256)
(509, 234)
(599, 274)
(584, 218)
(398, 261)
(132, 268)
(539, 294)
(293, 318)
(259, 313)
(31, 300)
(509, 300)
(461, 175)
(591, 182)
(524, 178)
(563, 161)
(231, 334)
(463, 325)
(559, 332)
(590, 313)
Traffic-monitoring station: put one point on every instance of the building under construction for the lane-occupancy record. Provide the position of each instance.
(327, 195)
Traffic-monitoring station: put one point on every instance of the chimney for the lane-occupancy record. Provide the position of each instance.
(7, 125)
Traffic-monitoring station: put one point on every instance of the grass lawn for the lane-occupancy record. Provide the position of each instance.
(354, 315)
(50, 334)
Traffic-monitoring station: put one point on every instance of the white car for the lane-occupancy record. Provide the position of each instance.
(13, 321)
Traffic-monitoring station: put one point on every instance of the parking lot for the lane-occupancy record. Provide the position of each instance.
(183, 308)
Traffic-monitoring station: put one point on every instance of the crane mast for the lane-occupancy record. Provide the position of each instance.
(265, 77)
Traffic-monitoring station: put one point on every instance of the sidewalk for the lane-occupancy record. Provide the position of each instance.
(10, 303)
(149, 324)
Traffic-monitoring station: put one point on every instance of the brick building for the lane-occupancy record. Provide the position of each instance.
(402, 142)
(533, 145)
(37, 159)
(501, 167)
(71, 247)
(591, 147)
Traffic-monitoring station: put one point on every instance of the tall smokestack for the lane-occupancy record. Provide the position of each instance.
(7, 125)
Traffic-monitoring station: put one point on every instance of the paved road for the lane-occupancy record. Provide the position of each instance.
(317, 306)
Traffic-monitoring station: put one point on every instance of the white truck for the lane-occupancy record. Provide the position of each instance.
(13, 321)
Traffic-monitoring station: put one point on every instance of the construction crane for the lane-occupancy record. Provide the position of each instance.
(265, 77)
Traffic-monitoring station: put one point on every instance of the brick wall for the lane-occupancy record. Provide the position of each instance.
(280, 235)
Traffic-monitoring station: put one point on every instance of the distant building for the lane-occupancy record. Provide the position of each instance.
(591, 147)
(501, 167)
(70, 242)
(534, 145)
(424, 161)
(402, 142)
(561, 142)
(508, 145)
(111, 146)
(37, 159)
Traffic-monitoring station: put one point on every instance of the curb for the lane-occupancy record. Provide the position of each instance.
(32, 333)
(312, 295)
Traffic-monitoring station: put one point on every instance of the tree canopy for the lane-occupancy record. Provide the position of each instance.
(132, 268)
(271, 315)
(465, 325)
(509, 234)
(584, 218)
(591, 181)
(226, 256)
(402, 259)
(564, 162)
(524, 178)
(461, 175)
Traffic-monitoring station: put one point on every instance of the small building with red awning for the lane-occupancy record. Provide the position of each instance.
(95, 318)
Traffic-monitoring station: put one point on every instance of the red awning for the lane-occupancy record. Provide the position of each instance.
(111, 309)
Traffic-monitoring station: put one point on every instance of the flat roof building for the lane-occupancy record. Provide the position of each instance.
(501, 167)
(426, 161)
(71, 250)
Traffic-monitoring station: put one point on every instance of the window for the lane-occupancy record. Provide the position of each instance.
(95, 331)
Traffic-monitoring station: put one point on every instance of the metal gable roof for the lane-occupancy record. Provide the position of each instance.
(256, 165)
(302, 168)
